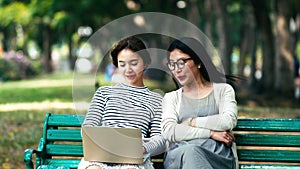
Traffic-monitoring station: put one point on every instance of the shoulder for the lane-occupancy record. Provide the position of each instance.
(154, 98)
(223, 87)
(173, 95)
(103, 89)
(155, 95)
(174, 92)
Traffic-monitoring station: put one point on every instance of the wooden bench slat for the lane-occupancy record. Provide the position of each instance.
(64, 135)
(64, 150)
(267, 140)
(65, 120)
(283, 125)
(269, 155)
(70, 163)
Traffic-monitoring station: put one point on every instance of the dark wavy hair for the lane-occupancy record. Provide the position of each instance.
(199, 55)
(133, 43)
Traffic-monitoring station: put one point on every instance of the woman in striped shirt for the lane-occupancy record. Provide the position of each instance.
(129, 104)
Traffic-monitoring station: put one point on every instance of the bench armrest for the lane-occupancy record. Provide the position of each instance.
(28, 153)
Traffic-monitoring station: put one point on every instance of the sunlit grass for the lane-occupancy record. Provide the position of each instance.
(36, 94)
(46, 80)
(35, 106)
(245, 111)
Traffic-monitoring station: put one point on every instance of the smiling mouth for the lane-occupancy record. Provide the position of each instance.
(130, 77)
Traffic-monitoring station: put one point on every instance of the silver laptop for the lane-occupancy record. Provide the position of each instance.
(112, 145)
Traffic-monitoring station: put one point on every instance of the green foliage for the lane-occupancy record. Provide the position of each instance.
(16, 13)
(60, 20)
(41, 8)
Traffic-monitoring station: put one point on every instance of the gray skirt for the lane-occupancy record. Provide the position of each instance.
(199, 154)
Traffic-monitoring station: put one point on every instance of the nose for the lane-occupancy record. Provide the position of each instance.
(128, 68)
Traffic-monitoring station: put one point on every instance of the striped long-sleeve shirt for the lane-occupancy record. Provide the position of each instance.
(131, 107)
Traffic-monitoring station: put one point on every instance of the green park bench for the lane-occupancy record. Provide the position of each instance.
(261, 142)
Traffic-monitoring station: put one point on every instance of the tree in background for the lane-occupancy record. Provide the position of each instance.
(250, 28)
(285, 48)
(265, 40)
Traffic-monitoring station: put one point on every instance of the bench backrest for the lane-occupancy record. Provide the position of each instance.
(61, 141)
(259, 141)
(268, 141)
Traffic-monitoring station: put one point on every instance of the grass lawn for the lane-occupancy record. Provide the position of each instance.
(20, 130)
(55, 87)
(23, 106)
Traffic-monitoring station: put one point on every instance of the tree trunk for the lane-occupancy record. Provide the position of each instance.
(71, 57)
(284, 50)
(193, 12)
(209, 19)
(4, 40)
(247, 37)
(261, 12)
(225, 46)
(253, 81)
(48, 68)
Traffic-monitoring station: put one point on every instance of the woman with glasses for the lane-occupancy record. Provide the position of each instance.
(198, 117)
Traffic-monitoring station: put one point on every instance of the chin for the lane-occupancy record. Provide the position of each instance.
(182, 83)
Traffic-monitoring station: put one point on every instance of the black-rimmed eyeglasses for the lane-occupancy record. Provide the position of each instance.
(180, 63)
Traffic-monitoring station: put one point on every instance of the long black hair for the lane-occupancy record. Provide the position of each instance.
(200, 56)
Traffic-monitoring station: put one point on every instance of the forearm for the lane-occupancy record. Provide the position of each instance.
(155, 145)
(174, 132)
(171, 130)
(220, 122)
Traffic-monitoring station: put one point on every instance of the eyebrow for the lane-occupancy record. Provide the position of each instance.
(133, 60)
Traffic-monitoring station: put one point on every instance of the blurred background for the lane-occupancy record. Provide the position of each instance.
(40, 42)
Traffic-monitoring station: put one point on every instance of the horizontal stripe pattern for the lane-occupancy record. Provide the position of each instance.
(126, 106)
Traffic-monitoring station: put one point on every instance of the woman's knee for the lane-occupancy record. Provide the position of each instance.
(193, 151)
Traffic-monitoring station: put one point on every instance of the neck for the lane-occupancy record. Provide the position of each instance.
(198, 89)
(137, 84)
